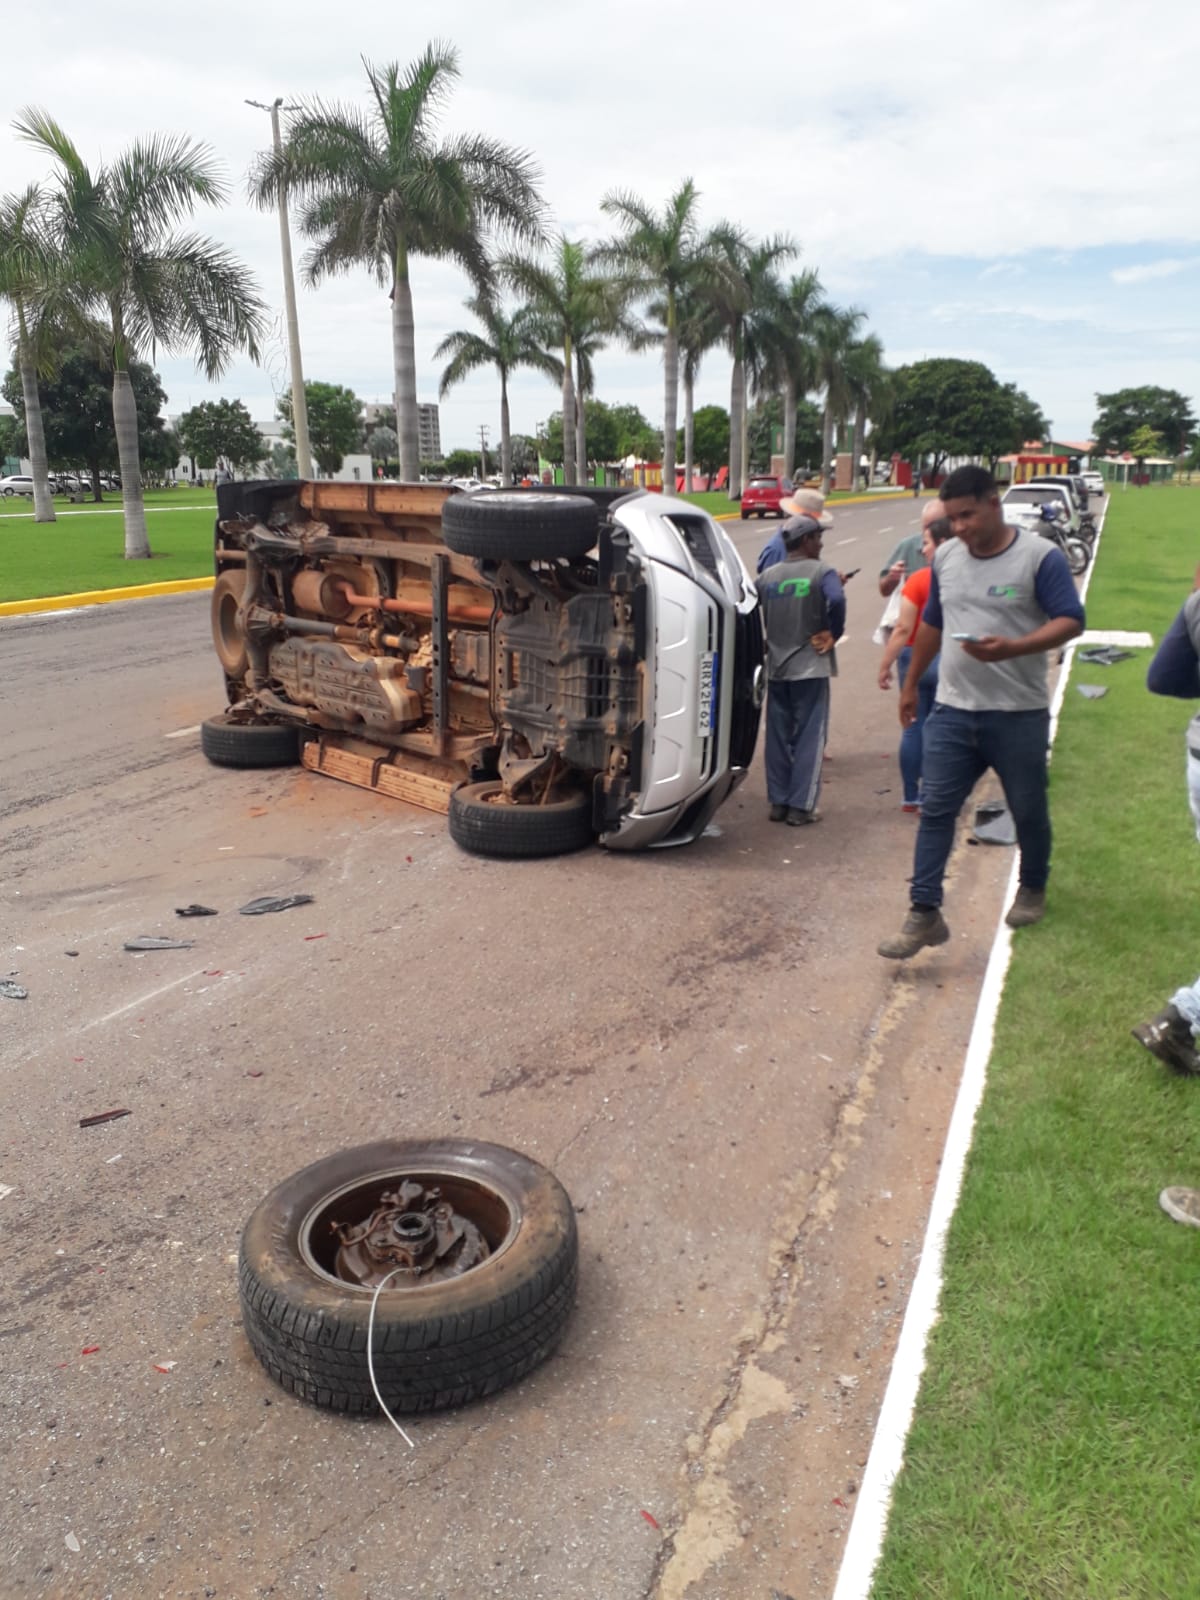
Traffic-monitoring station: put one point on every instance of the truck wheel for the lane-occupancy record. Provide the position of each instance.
(443, 1335)
(483, 823)
(228, 638)
(520, 527)
(228, 743)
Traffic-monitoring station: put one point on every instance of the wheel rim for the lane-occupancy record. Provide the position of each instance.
(417, 1222)
(231, 646)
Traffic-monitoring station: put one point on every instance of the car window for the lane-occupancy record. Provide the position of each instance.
(764, 483)
(1029, 494)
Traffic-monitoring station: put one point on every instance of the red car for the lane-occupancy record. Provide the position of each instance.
(763, 495)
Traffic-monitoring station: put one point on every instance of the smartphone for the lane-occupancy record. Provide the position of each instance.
(969, 638)
(846, 576)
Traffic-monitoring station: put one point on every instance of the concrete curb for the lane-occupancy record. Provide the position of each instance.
(101, 597)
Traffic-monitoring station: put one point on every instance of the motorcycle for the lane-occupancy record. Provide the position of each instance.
(1055, 525)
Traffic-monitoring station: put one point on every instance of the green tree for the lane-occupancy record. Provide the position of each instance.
(947, 407)
(375, 190)
(27, 272)
(699, 330)
(217, 431)
(836, 331)
(282, 460)
(710, 439)
(635, 435)
(659, 254)
(741, 281)
(1144, 441)
(1121, 413)
(77, 412)
(154, 288)
(866, 379)
(334, 423)
(382, 443)
(786, 342)
(572, 306)
(462, 464)
(524, 456)
(506, 343)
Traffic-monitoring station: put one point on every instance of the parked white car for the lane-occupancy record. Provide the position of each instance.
(17, 483)
(1095, 483)
(1024, 501)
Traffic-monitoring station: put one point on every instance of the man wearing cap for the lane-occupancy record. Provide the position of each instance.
(803, 503)
(804, 609)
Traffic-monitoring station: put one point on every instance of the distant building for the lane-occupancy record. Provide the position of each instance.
(429, 433)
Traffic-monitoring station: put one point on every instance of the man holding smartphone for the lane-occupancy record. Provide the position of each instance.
(1006, 597)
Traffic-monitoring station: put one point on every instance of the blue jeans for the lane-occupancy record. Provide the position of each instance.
(797, 723)
(910, 740)
(959, 747)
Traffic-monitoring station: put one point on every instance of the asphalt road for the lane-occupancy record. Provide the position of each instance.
(746, 1105)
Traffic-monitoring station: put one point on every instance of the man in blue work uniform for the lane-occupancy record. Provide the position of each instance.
(804, 608)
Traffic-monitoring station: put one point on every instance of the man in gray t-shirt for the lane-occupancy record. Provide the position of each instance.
(999, 600)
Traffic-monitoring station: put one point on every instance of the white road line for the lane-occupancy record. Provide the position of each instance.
(891, 528)
(145, 999)
(849, 541)
(182, 733)
(864, 1539)
(103, 511)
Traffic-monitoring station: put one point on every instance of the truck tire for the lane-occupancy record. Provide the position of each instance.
(485, 828)
(435, 1343)
(228, 638)
(530, 526)
(227, 743)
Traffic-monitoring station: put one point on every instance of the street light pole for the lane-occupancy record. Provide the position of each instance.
(299, 402)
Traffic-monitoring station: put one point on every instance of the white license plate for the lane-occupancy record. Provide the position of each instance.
(708, 691)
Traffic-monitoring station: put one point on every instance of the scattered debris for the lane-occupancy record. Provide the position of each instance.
(108, 1161)
(257, 811)
(1105, 655)
(149, 942)
(89, 1350)
(847, 1383)
(838, 1501)
(70, 952)
(254, 1072)
(12, 991)
(104, 1116)
(72, 1543)
(651, 1521)
(5, 1190)
(309, 937)
(267, 903)
(195, 911)
(165, 1366)
(994, 824)
(1092, 691)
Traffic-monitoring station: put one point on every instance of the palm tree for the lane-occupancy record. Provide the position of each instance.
(865, 376)
(375, 190)
(699, 330)
(835, 330)
(571, 307)
(791, 364)
(150, 286)
(506, 344)
(658, 253)
(741, 279)
(27, 270)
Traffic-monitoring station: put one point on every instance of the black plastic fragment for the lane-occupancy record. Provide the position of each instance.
(195, 911)
(12, 991)
(256, 908)
(149, 942)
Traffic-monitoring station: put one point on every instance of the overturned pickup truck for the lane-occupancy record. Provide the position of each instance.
(550, 668)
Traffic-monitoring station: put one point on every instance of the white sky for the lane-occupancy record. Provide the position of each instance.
(1010, 184)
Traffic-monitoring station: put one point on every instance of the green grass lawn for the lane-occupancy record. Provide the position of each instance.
(84, 548)
(1053, 1452)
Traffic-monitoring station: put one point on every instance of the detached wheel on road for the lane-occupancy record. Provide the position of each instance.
(487, 1251)
(230, 743)
(520, 526)
(483, 822)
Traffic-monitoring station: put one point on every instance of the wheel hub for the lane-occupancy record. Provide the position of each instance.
(415, 1234)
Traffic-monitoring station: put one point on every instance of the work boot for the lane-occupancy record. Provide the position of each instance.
(778, 813)
(921, 928)
(1168, 1036)
(798, 818)
(1028, 907)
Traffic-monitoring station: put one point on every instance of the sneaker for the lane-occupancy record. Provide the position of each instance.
(778, 814)
(1028, 907)
(920, 928)
(1182, 1205)
(911, 807)
(1168, 1037)
(797, 818)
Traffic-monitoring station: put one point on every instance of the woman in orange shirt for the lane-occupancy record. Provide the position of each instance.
(898, 651)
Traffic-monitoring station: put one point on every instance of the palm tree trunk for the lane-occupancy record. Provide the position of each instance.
(736, 391)
(581, 455)
(689, 430)
(826, 448)
(43, 504)
(789, 427)
(568, 415)
(670, 398)
(860, 430)
(137, 540)
(404, 361)
(505, 437)
(745, 434)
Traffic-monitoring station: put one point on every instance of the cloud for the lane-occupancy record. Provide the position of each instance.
(1003, 269)
(1167, 268)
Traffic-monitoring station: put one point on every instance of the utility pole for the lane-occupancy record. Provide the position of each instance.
(299, 403)
(483, 433)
